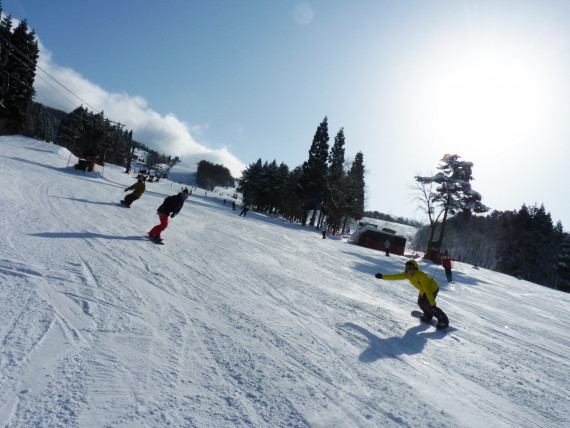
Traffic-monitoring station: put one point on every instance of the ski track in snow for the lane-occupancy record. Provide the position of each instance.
(245, 321)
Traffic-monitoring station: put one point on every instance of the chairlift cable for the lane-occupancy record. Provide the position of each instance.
(30, 62)
(41, 69)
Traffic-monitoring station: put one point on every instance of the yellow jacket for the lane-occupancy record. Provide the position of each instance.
(421, 280)
(139, 188)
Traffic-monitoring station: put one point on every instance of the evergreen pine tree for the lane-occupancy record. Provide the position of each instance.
(263, 184)
(563, 265)
(524, 247)
(275, 186)
(249, 183)
(314, 180)
(281, 184)
(5, 53)
(21, 72)
(71, 130)
(354, 201)
(292, 205)
(335, 191)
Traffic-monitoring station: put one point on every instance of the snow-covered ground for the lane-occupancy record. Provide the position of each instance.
(245, 322)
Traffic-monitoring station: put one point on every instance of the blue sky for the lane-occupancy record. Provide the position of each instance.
(234, 81)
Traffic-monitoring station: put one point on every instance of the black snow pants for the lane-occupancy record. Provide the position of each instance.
(130, 198)
(430, 311)
(448, 274)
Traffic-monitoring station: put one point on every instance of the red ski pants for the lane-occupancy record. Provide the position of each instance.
(157, 230)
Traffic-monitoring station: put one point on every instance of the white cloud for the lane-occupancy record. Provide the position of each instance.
(166, 134)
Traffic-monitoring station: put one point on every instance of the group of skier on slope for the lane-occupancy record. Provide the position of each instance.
(428, 287)
(170, 207)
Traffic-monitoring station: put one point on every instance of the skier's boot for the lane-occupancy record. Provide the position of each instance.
(442, 320)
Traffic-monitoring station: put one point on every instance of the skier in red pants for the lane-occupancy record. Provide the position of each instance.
(171, 206)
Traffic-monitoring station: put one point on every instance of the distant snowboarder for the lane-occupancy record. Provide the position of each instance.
(244, 210)
(171, 206)
(447, 263)
(138, 189)
(428, 290)
(387, 247)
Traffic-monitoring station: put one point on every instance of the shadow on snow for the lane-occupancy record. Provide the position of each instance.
(86, 235)
(411, 343)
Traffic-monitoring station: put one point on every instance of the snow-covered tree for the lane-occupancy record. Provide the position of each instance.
(453, 192)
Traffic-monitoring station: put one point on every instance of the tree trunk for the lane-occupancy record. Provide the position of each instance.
(321, 217)
(441, 232)
(433, 247)
(433, 226)
(313, 217)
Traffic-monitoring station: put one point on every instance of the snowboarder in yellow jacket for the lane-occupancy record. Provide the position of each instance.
(428, 290)
(138, 189)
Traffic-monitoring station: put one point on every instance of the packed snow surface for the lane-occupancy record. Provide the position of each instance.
(245, 322)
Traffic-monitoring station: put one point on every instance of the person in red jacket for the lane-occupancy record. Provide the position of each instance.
(447, 263)
(171, 206)
(428, 290)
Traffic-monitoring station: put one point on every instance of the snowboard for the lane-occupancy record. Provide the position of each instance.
(124, 205)
(418, 314)
(155, 240)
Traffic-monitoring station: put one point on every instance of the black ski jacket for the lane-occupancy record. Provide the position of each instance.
(171, 205)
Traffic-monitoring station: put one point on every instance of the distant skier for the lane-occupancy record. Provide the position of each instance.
(171, 206)
(428, 290)
(387, 247)
(244, 210)
(447, 263)
(138, 189)
(233, 205)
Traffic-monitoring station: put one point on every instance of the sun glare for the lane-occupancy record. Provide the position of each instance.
(489, 97)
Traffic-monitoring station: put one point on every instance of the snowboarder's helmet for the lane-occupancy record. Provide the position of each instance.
(185, 194)
(412, 263)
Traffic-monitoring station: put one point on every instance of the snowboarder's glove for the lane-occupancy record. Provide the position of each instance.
(378, 275)
(172, 215)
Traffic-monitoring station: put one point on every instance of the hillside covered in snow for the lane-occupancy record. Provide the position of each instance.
(245, 322)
